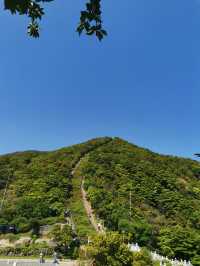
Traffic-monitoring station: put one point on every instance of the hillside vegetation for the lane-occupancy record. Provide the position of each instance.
(40, 184)
(162, 191)
(153, 199)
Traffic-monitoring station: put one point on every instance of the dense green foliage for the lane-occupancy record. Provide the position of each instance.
(109, 250)
(164, 192)
(66, 242)
(27, 250)
(90, 18)
(143, 258)
(40, 184)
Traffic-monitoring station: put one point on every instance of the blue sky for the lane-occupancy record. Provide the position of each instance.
(141, 83)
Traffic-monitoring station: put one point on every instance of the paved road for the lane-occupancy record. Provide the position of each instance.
(35, 262)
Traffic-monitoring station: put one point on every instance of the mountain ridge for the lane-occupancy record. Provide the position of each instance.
(153, 198)
(96, 138)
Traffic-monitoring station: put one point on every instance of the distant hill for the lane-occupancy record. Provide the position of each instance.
(153, 198)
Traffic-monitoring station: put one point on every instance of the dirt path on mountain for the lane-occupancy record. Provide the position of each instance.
(88, 208)
(96, 224)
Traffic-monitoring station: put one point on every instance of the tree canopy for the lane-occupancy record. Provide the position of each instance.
(151, 198)
(39, 184)
(109, 249)
(90, 18)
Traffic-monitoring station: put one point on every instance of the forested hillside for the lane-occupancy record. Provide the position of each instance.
(39, 184)
(154, 199)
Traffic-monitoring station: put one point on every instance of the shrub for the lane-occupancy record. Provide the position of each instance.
(109, 250)
(142, 258)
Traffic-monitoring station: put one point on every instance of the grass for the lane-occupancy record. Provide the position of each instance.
(80, 218)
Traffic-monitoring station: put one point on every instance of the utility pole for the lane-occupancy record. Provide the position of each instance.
(130, 203)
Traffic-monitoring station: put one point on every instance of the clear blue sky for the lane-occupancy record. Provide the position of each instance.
(141, 83)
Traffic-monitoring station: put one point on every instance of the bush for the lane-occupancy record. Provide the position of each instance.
(109, 250)
(142, 258)
(27, 250)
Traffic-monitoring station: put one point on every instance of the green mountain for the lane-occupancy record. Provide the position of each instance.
(154, 199)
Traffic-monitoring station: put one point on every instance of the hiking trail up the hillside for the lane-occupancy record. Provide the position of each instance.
(88, 208)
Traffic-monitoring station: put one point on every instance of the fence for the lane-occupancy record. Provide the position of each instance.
(161, 259)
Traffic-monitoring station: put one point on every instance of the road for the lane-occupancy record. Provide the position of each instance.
(35, 262)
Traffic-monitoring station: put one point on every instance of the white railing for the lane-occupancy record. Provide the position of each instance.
(161, 259)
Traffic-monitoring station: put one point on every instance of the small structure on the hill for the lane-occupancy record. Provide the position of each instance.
(4, 229)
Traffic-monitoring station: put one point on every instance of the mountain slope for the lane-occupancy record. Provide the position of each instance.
(39, 184)
(153, 198)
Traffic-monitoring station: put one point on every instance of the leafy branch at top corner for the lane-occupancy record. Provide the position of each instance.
(30, 8)
(91, 21)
